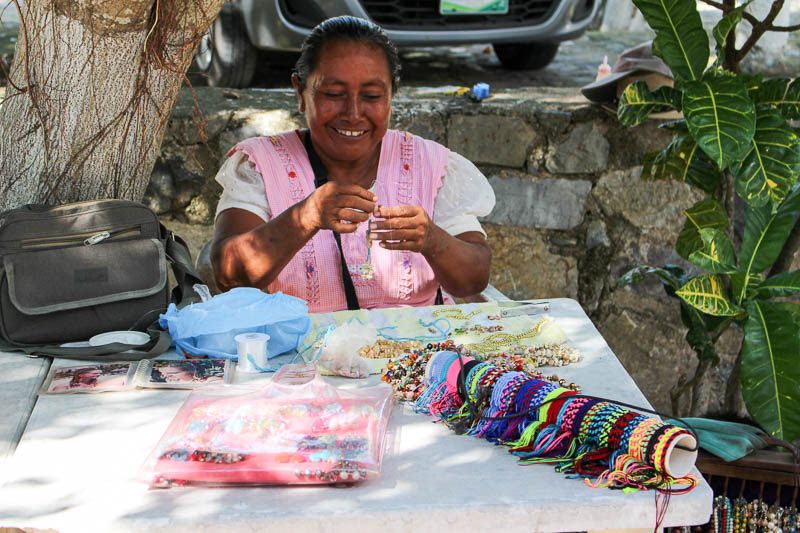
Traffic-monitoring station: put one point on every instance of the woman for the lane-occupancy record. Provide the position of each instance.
(355, 215)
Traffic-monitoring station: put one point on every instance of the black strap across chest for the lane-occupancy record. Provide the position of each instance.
(320, 179)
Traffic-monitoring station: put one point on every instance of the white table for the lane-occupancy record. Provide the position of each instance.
(74, 470)
(20, 379)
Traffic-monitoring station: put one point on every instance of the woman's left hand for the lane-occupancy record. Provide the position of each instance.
(403, 227)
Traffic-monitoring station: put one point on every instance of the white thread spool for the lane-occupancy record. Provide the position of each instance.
(252, 351)
(680, 461)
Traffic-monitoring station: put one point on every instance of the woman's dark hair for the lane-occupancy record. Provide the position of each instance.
(345, 28)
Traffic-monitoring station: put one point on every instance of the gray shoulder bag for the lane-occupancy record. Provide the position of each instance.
(72, 271)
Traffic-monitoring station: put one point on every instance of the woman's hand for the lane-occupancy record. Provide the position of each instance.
(340, 208)
(404, 227)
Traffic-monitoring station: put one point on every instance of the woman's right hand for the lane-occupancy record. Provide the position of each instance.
(338, 207)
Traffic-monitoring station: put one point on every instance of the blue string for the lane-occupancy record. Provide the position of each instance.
(442, 333)
(321, 335)
(261, 368)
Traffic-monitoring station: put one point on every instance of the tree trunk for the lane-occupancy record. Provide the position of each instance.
(90, 92)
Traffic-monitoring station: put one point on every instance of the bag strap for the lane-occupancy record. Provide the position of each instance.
(159, 343)
(320, 179)
(185, 275)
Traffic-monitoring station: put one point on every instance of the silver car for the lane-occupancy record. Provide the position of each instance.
(525, 33)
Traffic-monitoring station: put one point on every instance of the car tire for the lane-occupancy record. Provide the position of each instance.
(525, 56)
(225, 56)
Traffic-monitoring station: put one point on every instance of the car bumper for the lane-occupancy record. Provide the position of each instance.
(269, 28)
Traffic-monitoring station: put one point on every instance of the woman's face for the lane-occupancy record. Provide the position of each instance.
(347, 100)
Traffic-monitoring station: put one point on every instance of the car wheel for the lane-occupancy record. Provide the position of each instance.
(225, 57)
(526, 56)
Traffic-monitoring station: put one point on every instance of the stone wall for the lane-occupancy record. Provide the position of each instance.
(572, 213)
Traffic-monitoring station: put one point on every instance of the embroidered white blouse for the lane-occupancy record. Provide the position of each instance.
(464, 196)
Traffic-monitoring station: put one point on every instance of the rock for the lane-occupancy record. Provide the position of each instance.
(524, 268)
(200, 211)
(253, 123)
(160, 205)
(186, 190)
(584, 151)
(645, 203)
(491, 139)
(538, 203)
(553, 123)
(196, 128)
(647, 336)
(161, 180)
(596, 235)
(430, 127)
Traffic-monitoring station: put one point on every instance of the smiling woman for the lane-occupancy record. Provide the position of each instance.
(350, 214)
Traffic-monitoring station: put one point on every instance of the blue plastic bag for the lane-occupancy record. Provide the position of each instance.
(209, 328)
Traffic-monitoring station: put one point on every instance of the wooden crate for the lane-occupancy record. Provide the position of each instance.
(770, 475)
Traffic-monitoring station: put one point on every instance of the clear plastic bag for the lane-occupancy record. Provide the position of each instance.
(339, 353)
(296, 430)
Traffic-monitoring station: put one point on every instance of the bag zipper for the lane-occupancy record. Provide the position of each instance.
(88, 238)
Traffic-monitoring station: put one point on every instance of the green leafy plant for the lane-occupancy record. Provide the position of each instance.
(734, 139)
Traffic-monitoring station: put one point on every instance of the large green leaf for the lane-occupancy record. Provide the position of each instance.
(683, 161)
(765, 233)
(745, 284)
(724, 27)
(717, 253)
(680, 39)
(784, 284)
(698, 334)
(704, 214)
(720, 116)
(637, 102)
(636, 275)
(770, 367)
(707, 294)
(768, 171)
(783, 94)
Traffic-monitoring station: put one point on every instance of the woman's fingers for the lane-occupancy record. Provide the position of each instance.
(342, 227)
(356, 202)
(397, 211)
(351, 215)
(413, 234)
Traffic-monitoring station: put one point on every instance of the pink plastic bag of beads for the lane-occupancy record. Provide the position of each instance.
(296, 430)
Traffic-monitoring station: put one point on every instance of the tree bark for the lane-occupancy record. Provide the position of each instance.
(89, 95)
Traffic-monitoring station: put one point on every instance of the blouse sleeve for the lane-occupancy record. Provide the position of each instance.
(464, 196)
(242, 187)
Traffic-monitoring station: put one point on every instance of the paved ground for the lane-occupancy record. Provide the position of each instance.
(575, 64)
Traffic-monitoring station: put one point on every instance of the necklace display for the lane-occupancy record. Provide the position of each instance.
(550, 354)
(454, 313)
(499, 341)
(742, 516)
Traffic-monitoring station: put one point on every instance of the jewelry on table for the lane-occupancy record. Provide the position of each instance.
(477, 328)
(454, 313)
(496, 342)
(386, 348)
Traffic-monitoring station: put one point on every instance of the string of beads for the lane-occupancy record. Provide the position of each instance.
(756, 516)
